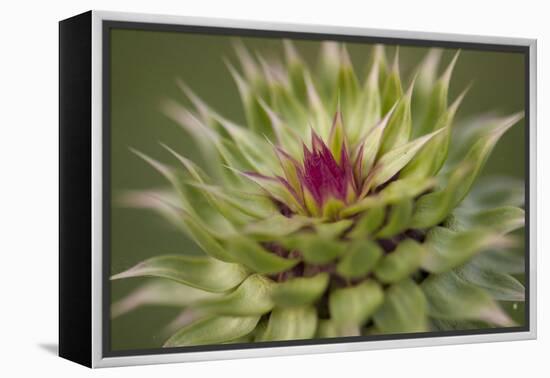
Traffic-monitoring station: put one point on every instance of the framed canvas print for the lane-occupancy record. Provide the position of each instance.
(235, 189)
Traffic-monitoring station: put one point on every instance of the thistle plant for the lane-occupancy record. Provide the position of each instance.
(344, 207)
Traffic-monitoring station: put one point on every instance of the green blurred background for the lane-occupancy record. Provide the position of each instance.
(144, 66)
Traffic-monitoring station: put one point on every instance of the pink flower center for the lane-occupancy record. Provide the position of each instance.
(323, 176)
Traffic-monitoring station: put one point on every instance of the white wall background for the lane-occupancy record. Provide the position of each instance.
(28, 191)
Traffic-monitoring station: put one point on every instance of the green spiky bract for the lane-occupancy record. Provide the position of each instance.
(336, 211)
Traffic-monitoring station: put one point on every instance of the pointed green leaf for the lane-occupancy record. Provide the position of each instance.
(255, 257)
(378, 57)
(250, 204)
(372, 142)
(331, 209)
(260, 329)
(348, 86)
(327, 329)
(372, 105)
(361, 257)
(404, 309)
(333, 229)
(163, 202)
(500, 220)
(437, 103)
(400, 263)
(206, 137)
(329, 64)
(310, 204)
(291, 323)
(433, 208)
(185, 317)
(321, 116)
(368, 223)
(296, 71)
(393, 90)
(447, 249)
(248, 64)
(337, 137)
(276, 226)
(159, 293)
(499, 260)
(501, 286)
(399, 126)
(352, 306)
(274, 188)
(201, 272)
(398, 220)
(291, 168)
(205, 112)
(232, 157)
(204, 239)
(256, 117)
(393, 161)
(451, 297)
(314, 248)
(190, 221)
(406, 188)
(433, 155)
(171, 206)
(169, 173)
(285, 136)
(368, 109)
(300, 291)
(496, 191)
(285, 104)
(254, 148)
(213, 330)
(426, 77)
(252, 297)
(397, 191)
(194, 171)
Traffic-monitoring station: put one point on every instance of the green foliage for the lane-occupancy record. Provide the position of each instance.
(213, 330)
(404, 309)
(336, 210)
(252, 297)
(254, 256)
(300, 291)
(291, 323)
(353, 306)
(401, 263)
(360, 259)
(451, 297)
(201, 272)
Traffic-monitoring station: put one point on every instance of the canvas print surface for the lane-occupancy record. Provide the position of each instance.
(269, 190)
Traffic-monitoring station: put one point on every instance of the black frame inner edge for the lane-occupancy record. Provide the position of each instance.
(108, 25)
